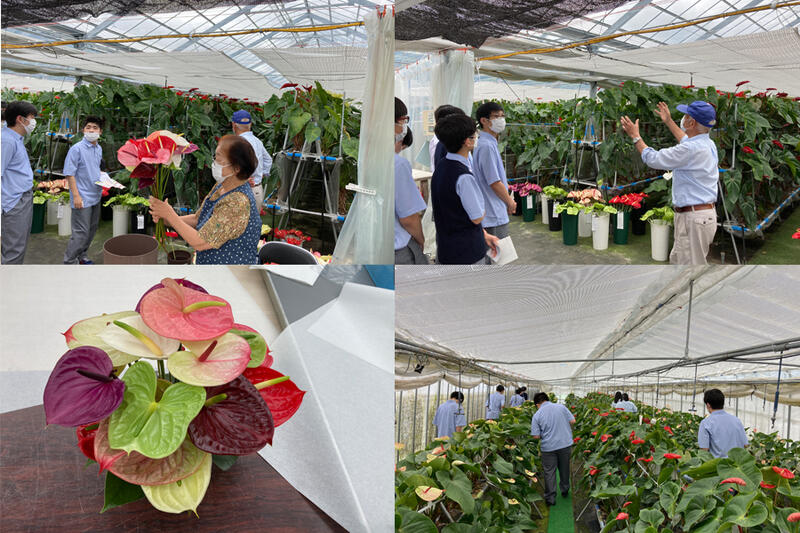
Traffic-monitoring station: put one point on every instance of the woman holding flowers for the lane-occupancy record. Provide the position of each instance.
(226, 228)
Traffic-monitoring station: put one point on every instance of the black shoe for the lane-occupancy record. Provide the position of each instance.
(550, 504)
(564, 494)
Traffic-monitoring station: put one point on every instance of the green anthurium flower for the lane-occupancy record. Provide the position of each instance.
(183, 495)
(132, 336)
(210, 363)
(87, 333)
(153, 428)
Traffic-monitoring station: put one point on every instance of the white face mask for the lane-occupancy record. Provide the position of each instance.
(4, 124)
(91, 136)
(683, 123)
(498, 124)
(30, 126)
(216, 171)
(398, 137)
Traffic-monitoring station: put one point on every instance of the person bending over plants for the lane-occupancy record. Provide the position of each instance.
(226, 228)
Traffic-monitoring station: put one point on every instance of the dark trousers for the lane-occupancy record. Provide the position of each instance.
(16, 229)
(550, 461)
(84, 226)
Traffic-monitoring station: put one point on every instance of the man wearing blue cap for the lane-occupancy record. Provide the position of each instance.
(242, 124)
(695, 165)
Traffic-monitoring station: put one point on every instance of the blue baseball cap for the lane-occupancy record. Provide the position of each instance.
(241, 117)
(702, 112)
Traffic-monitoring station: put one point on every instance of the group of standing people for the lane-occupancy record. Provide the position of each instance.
(622, 402)
(224, 230)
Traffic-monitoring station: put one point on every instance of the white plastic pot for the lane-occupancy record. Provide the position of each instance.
(584, 224)
(65, 220)
(600, 231)
(52, 213)
(659, 240)
(545, 219)
(121, 219)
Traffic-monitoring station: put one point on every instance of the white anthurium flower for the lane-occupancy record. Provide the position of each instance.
(132, 336)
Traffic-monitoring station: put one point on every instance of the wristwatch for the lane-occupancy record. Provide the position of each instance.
(636, 140)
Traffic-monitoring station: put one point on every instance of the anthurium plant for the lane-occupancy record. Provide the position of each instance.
(525, 188)
(161, 392)
(127, 199)
(483, 479)
(599, 208)
(572, 207)
(628, 202)
(660, 213)
(554, 193)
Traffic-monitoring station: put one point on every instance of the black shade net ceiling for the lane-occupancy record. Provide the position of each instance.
(471, 22)
(23, 12)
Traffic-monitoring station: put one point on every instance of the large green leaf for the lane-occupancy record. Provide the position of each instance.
(741, 464)
(457, 487)
(153, 428)
(743, 511)
(183, 495)
(298, 120)
(413, 522)
(119, 492)
(668, 496)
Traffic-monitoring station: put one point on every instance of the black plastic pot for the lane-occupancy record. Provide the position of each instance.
(637, 226)
(553, 221)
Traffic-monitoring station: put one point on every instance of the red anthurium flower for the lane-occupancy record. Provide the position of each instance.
(603, 414)
(772, 89)
(576, 439)
(645, 420)
(740, 94)
(782, 95)
(632, 435)
(737, 480)
(794, 517)
(796, 234)
(86, 435)
(783, 472)
(624, 505)
(595, 408)
(747, 150)
(668, 430)
(637, 441)
(622, 516)
(627, 458)
(742, 83)
(604, 438)
(283, 398)
(777, 143)
(288, 86)
(171, 234)
(688, 87)
(645, 459)
(766, 485)
(593, 470)
(672, 456)
(594, 433)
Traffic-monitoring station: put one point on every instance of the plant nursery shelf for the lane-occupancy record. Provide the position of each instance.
(46, 487)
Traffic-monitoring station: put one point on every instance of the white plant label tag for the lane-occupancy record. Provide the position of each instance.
(555, 210)
(620, 221)
(60, 211)
(595, 223)
(139, 221)
(529, 202)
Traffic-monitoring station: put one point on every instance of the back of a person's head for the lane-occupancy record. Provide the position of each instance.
(500, 388)
(518, 391)
(618, 397)
(625, 396)
(446, 110)
(540, 397)
(240, 155)
(715, 398)
(454, 130)
(16, 109)
(486, 109)
(457, 395)
(400, 109)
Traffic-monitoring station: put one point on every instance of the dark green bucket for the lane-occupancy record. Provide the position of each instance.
(528, 207)
(621, 233)
(569, 228)
(39, 213)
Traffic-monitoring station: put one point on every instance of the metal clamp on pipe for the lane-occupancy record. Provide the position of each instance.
(358, 188)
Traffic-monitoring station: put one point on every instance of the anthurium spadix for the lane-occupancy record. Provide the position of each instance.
(87, 333)
(183, 313)
(181, 281)
(153, 428)
(209, 363)
(132, 336)
(234, 421)
(258, 345)
(183, 495)
(283, 397)
(141, 470)
(82, 388)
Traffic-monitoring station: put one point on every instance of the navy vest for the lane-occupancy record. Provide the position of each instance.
(458, 240)
(439, 153)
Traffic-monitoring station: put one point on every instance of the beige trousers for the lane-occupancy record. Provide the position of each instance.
(258, 192)
(694, 231)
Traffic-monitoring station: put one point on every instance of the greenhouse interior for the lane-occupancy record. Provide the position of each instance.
(663, 335)
(566, 74)
(312, 77)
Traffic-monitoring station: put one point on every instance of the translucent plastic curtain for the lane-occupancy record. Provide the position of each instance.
(367, 236)
(412, 85)
(453, 80)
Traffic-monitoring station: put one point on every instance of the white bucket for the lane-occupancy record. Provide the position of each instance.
(121, 219)
(65, 220)
(584, 224)
(600, 231)
(545, 219)
(659, 240)
(52, 212)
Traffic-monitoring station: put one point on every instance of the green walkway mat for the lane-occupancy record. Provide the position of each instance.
(562, 518)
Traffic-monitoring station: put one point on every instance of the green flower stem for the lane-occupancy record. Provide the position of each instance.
(215, 399)
(269, 383)
(162, 372)
(207, 352)
(144, 339)
(202, 305)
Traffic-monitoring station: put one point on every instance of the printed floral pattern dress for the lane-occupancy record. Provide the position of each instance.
(231, 224)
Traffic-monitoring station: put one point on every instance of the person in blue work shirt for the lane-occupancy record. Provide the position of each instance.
(695, 165)
(436, 148)
(82, 169)
(409, 241)
(490, 172)
(720, 431)
(552, 423)
(494, 403)
(17, 182)
(448, 418)
(517, 399)
(616, 404)
(458, 205)
(242, 124)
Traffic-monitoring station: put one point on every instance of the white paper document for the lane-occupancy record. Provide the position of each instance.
(506, 252)
(108, 182)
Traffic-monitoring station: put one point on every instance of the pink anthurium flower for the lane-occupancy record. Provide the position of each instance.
(210, 363)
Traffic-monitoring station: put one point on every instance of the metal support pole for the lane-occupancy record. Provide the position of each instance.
(694, 390)
(399, 421)
(427, 412)
(777, 392)
(689, 319)
(414, 426)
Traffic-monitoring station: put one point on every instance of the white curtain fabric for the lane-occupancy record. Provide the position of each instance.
(412, 85)
(367, 236)
(453, 78)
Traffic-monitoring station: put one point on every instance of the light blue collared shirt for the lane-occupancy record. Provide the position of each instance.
(721, 431)
(468, 190)
(17, 174)
(83, 162)
(516, 401)
(489, 169)
(407, 199)
(695, 165)
(629, 406)
(264, 159)
(447, 418)
(551, 423)
(495, 402)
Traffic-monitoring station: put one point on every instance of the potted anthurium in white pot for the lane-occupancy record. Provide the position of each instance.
(585, 197)
(122, 204)
(600, 214)
(661, 218)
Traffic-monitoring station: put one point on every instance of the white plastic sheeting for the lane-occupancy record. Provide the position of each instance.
(515, 314)
(366, 236)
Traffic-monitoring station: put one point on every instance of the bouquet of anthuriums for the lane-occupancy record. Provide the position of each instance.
(213, 397)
